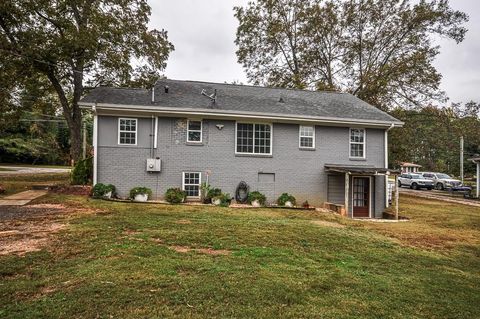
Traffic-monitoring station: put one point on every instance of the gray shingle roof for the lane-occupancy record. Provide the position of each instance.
(244, 99)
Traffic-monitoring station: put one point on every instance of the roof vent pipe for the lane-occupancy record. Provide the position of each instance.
(166, 88)
(153, 94)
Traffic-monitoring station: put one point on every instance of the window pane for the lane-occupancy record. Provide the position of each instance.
(244, 138)
(194, 136)
(262, 139)
(357, 135)
(195, 125)
(356, 150)
(192, 190)
(127, 138)
(306, 141)
(306, 131)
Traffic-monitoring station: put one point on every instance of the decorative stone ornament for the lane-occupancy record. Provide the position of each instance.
(241, 194)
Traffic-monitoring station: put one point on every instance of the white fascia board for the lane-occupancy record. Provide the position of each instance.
(228, 114)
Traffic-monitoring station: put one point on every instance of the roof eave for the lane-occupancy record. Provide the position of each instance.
(235, 114)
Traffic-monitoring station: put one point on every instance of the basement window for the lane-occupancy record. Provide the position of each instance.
(127, 131)
(194, 131)
(191, 184)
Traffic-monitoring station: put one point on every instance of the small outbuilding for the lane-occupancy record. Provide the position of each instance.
(407, 167)
(476, 160)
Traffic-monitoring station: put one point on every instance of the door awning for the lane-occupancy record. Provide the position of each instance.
(361, 169)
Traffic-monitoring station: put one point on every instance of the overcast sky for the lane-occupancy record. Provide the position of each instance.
(203, 33)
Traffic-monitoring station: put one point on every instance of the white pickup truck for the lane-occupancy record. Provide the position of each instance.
(415, 181)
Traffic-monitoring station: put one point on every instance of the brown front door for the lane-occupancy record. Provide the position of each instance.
(361, 197)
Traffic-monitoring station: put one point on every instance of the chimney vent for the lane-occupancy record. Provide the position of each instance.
(166, 88)
(281, 100)
(153, 94)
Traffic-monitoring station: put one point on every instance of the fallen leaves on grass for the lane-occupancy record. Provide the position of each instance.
(207, 251)
(183, 221)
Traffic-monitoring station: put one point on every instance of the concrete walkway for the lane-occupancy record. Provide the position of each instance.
(16, 170)
(22, 198)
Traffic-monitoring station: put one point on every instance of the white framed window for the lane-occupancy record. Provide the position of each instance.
(194, 131)
(357, 143)
(306, 137)
(191, 183)
(253, 138)
(127, 131)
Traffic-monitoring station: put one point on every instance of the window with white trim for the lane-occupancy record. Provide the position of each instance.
(194, 131)
(254, 138)
(357, 143)
(307, 137)
(127, 131)
(191, 183)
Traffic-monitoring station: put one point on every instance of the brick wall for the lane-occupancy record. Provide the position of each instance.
(299, 172)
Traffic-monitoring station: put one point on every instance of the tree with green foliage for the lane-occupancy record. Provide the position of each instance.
(81, 43)
(431, 137)
(379, 50)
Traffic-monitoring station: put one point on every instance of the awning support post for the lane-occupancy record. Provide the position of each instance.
(347, 186)
(396, 196)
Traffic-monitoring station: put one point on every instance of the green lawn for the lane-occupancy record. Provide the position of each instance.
(21, 182)
(120, 263)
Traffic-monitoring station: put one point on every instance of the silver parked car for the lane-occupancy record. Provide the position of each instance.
(441, 181)
(414, 181)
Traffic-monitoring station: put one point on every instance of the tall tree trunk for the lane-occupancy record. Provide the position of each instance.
(76, 139)
(71, 111)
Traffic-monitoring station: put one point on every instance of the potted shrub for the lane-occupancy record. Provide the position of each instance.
(204, 189)
(140, 194)
(223, 200)
(212, 193)
(286, 200)
(217, 200)
(256, 199)
(175, 196)
(101, 190)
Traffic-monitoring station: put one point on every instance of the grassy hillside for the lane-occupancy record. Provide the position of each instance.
(117, 260)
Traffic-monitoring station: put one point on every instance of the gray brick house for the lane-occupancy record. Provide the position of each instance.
(318, 146)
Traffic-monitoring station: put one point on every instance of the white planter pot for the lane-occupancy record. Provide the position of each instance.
(288, 204)
(256, 203)
(141, 198)
(216, 201)
(108, 195)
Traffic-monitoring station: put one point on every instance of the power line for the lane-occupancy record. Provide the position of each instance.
(42, 120)
(43, 114)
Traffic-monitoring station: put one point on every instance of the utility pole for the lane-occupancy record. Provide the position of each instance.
(84, 146)
(461, 158)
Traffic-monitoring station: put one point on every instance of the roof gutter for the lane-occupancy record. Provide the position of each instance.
(235, 114)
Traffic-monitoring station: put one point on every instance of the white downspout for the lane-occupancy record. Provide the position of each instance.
(155, 141)
(95, 143)
(386, 163)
